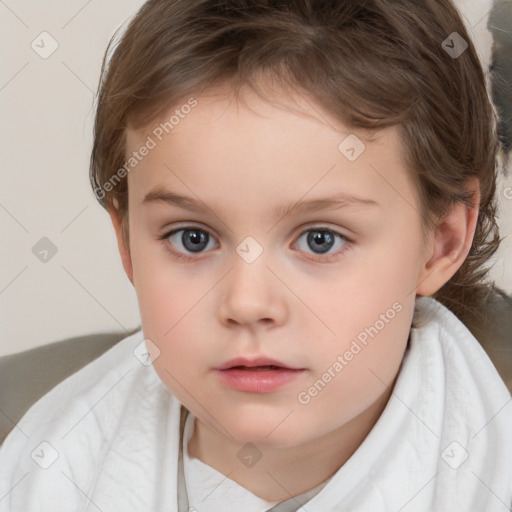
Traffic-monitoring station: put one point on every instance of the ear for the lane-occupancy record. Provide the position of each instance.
(450, 243)
(122, 244)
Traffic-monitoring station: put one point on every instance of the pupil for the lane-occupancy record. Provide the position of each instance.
(194, 240)
(322, 239)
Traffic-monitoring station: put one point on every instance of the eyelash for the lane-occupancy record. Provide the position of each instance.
(167, 246)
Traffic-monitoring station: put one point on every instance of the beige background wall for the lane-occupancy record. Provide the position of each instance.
(47, 115)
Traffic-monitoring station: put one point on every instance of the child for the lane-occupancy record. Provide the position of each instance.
(304, 348)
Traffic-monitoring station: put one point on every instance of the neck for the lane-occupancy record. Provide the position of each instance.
(282, 473)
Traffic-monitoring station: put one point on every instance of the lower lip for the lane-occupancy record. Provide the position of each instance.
(257, 381)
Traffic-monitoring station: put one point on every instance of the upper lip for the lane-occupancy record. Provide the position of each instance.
(258, 361)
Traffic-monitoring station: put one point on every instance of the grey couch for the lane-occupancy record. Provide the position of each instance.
(27, 376)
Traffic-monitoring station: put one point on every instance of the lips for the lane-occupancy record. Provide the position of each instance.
(256, 368)
(255, 364)
(257, 379)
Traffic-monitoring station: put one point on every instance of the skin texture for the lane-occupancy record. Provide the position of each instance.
(292, 303)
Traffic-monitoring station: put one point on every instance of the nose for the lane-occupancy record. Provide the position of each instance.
(252, 295)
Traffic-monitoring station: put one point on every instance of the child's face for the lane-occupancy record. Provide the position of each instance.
(292, 302)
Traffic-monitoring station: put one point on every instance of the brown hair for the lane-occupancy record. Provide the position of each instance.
(373, 64)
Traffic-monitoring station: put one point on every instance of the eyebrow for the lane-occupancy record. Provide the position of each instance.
(336, 201)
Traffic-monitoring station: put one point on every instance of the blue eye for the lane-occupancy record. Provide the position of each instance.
(194, 240)
(322, 240)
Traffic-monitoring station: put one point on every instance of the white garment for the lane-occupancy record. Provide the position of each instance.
(210, 490)
(113, 428)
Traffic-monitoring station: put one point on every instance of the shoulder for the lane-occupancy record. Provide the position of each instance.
(490, 326)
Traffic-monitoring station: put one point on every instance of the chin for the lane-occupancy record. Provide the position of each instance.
(263, 432)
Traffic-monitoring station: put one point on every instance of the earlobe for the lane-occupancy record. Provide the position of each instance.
(124, 249)
(450, 244)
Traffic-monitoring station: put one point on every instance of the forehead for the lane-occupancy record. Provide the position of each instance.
(278, 151)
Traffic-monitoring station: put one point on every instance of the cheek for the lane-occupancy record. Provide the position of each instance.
(169, 307)
(373, 281)
(171, 318)
(161, 289)
(379, 312)
(360, 364)
(369, 308)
